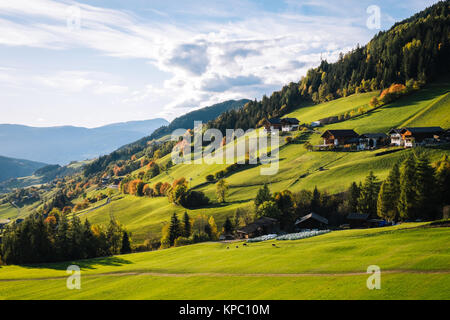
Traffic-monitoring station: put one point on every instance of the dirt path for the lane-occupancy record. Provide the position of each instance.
(208, 274)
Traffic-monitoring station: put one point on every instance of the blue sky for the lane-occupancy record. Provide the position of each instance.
(90, 63)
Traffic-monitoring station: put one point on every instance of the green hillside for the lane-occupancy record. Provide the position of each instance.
(14, 168)
(322, 267)
(298, 168)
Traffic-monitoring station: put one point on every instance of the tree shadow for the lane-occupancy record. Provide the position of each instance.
(91, 264)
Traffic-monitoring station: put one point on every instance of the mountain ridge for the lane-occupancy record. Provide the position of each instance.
(63, 144)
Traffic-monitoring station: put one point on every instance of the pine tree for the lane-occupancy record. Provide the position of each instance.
(126, 246)
(443, 180)
(228, 226)
(114, 236)
(174, 229)
(389, 195)
(315, 201)
(90, 243)
(425, 186)
(62, 238)
(354, 195)
(407, 198)
(75, 238)
(262, 195)
(186, 225)
(367, 201)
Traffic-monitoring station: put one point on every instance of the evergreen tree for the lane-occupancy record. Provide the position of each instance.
(425, 186)
(114, 236)
(62, 238)
(174, 229)
(262, 195)
(228, 226)
(90, 243)
(443, 180)
(208, 231)
(315, 201)
(75, 238)
(186, 225)
(353, 195)
(407, 198)
(367, 201)
(126, 246)
(389, 195)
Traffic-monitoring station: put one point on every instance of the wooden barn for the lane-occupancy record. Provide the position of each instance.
(410, 137)
(372, 140)
(339, 137)
(285, 124)
(358, 220)
(420, 135)
(259, 227)
(311, 221)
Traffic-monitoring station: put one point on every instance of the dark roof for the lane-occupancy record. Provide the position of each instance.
(374, 135)
(261, 222)
(314, 216)
(393, 130)
(342, 133)
(274, 121)
(422, 129)
(290, 120)
(358, 216)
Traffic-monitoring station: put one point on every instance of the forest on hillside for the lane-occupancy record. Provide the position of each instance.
(414, 49)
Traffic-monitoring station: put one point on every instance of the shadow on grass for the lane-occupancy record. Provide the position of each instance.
(113, 261)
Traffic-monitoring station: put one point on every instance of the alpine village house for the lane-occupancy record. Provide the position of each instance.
(284, 125)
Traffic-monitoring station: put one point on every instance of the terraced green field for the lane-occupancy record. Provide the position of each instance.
(414, 262)
(298, 168)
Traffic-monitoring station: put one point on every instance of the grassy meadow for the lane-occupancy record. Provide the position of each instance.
(414, 261)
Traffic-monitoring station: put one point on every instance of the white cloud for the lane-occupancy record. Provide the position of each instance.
(208, 61)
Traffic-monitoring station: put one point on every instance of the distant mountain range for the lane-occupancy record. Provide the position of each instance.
(61, 145)
(11, 168)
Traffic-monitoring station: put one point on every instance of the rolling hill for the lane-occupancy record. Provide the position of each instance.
(61, 145)
(13, 168)
(299, 169)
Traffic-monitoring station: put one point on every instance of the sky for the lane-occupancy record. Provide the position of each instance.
(91, 63)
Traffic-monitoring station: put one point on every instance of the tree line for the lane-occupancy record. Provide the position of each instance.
(56, 238)
(415, 49)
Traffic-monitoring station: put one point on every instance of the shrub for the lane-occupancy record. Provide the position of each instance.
(219, 175)
(199, 237)
(194, 199)
(182, 241)
(209, 178)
